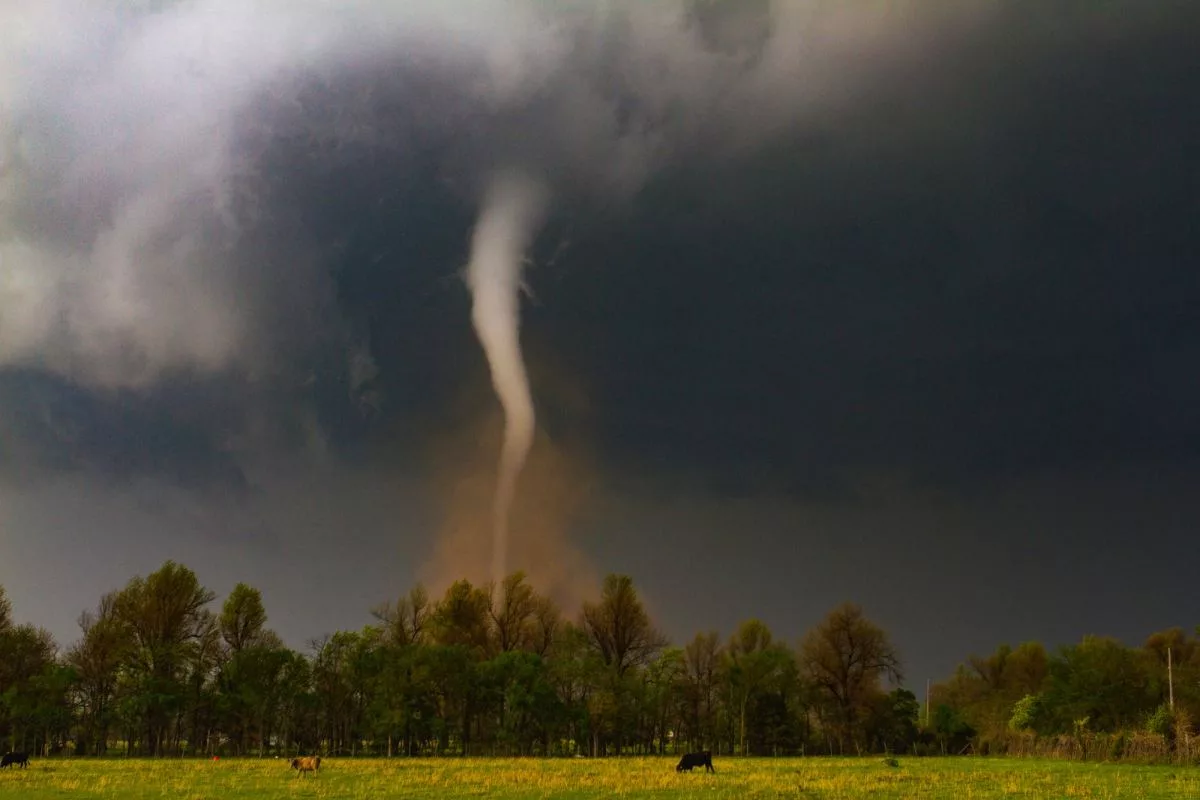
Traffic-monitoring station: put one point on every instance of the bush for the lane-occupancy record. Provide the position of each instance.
(1025, 713)
(1162, 722)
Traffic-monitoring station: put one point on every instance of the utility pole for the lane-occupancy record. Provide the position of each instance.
(927, 701)
(1170, 680)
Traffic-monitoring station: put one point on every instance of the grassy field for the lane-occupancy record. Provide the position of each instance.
(632, 778)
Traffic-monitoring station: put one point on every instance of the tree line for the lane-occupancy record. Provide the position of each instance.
(1095, 699)
(500, 670)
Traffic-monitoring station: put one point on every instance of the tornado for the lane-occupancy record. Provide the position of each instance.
(512, 210)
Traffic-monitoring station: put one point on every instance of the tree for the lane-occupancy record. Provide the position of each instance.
(952, 731)
(521, 619)
(243, 618)
(522, 699)
(984, 690)
(26, 654)
(165, 612)
(1185, 668)
(619, 627)
(96, 658)
(461, 618)
(1099, 679)
(702, 661)
(6, 622)
(753, 662)
(665, 690)
(573, 669)
(893, 722)
(404, 623)
(846, 656)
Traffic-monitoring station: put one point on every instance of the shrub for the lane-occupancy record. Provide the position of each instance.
(1025, 713)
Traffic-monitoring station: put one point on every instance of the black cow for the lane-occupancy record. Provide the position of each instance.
(690, 760)
(15, 758)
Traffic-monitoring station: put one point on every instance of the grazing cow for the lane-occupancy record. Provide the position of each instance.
(15, 758)
(306, 764)
(690, 760)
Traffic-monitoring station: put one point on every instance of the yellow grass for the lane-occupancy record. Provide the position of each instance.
(578, 778)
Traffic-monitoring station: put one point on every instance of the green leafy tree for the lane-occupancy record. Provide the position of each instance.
(754, 663)
(27, 653)
(665, 693)
(1099, 679)
(575, 671)
(984, 690)
(892, 725)
(952, 731)
(243, 618)
(166, 616)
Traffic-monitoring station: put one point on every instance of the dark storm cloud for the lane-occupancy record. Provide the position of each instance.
(191, 187)
(929, 257)
(48, 425)
(986, 268)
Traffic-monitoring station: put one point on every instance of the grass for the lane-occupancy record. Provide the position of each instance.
(627, 778)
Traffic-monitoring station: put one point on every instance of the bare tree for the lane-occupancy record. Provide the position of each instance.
(547, 622)
(405, 621)
(511, 611)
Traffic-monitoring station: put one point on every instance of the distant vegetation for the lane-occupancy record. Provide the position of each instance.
(501, 671)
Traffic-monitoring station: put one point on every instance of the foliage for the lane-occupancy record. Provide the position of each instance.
(1161, 722)
(1026, 713)
(499, 670)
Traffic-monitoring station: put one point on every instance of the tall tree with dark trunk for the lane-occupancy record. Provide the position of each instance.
(27, 654)
(165, 612)
(619, 627)
(702, 662)
(405, 621)
(619, 630)
(96, 658)
(521, 619)
(846, 657)
(754, 661)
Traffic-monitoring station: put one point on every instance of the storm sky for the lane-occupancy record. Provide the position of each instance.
(885, 302)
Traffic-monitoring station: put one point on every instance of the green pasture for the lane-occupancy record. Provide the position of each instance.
(959, 779)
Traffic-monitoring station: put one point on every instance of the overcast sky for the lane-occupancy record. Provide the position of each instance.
(884, 302)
